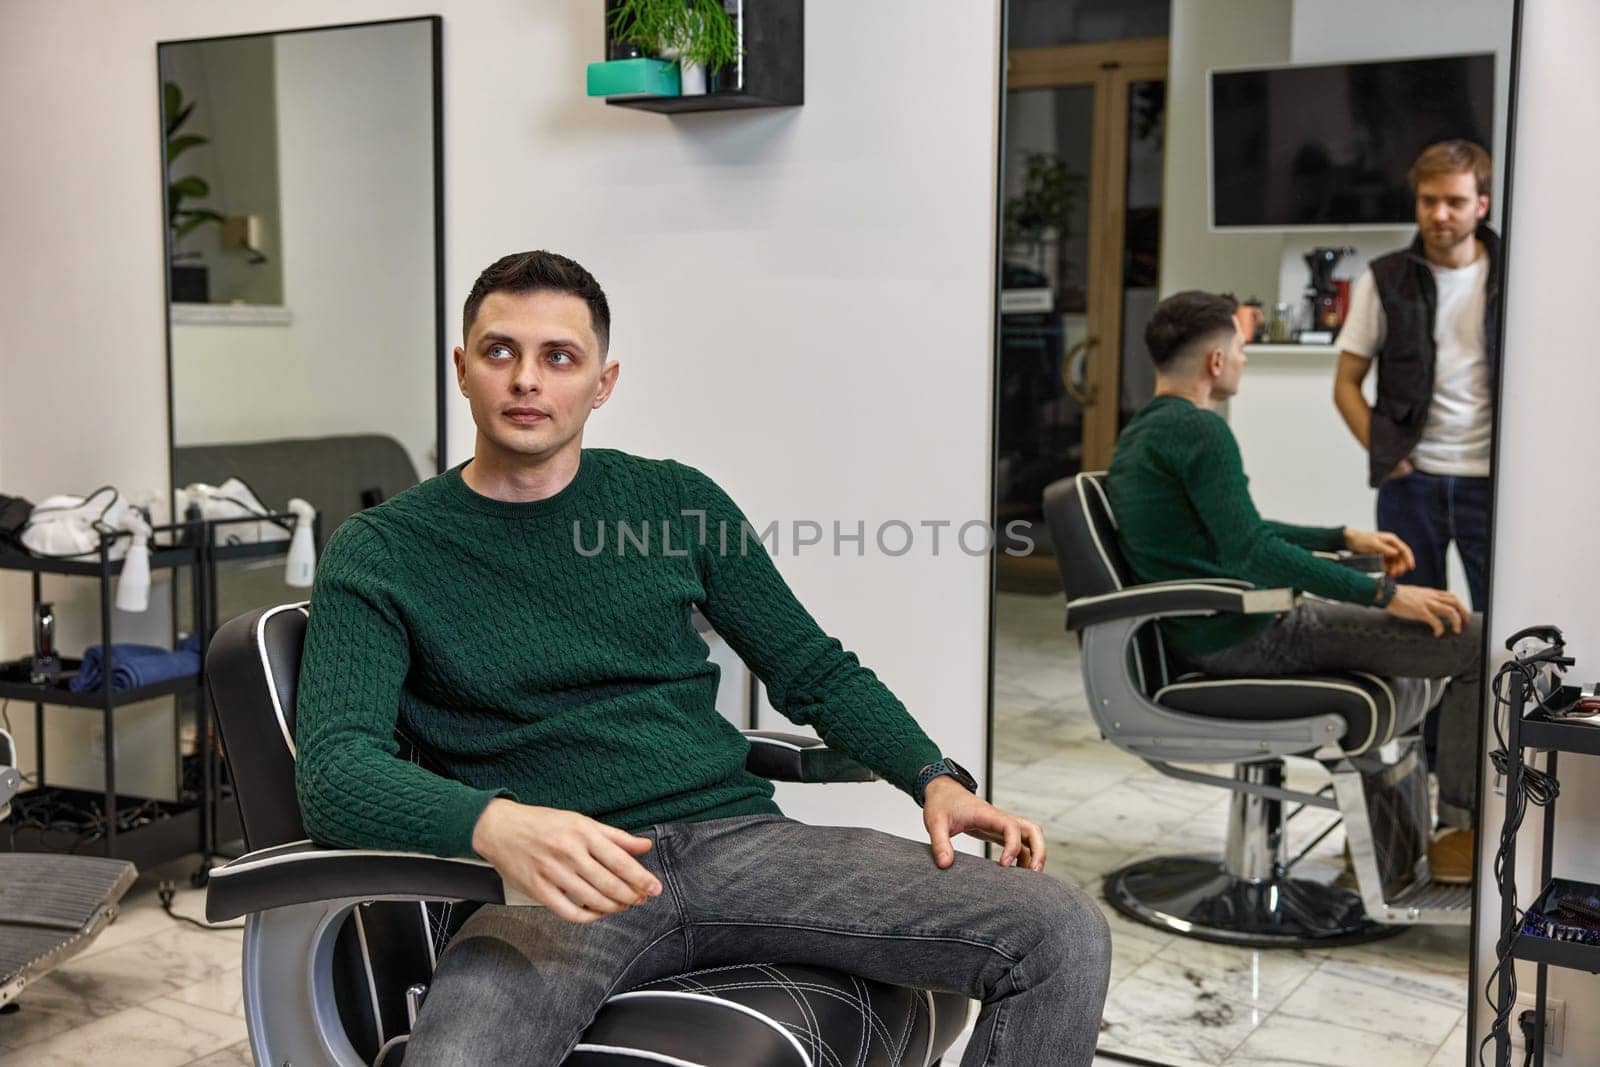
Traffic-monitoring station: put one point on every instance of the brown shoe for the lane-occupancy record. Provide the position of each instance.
(1450, 857)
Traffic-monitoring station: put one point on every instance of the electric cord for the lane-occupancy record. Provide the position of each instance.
(1536, 787)
(1525, 1023)
(168, 890)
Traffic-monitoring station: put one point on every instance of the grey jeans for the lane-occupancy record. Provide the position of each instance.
(518, 985)
(1322, 636)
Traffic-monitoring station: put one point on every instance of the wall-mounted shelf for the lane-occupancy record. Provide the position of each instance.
(231, 315)
(679, 105)
(772, 72)
(1289, 350)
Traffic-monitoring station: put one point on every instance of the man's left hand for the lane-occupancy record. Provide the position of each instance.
(1397, 557)
(948, 809)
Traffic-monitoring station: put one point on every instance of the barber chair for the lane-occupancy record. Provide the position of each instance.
(52, 907)
(1353, 723)
(340, 944)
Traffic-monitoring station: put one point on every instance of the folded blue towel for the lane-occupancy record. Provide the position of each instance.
(133, 666)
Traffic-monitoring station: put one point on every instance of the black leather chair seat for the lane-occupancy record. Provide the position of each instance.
(1367, 704)
(769, 1014)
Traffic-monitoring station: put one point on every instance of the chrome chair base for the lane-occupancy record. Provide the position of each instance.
(1196, 897)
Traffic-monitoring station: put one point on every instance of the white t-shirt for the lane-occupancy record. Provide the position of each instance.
(1455, 439)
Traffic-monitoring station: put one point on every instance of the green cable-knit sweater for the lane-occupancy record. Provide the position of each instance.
(1182, 502)
(527, 664)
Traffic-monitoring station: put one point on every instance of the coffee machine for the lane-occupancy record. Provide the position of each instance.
(1322, 292)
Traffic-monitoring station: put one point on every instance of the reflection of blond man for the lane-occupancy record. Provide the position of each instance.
(1427, 315)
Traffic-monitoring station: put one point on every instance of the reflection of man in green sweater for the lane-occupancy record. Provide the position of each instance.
(569, 704)
(1183, 508)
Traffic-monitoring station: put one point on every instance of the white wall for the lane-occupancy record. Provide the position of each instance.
(1207, 34)
(803, 298)
(1544, 569)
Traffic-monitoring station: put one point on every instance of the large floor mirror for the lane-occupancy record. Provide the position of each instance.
(1258, 148)
(305, 314)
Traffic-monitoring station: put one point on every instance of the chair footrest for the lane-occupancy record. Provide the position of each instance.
(1431, 903)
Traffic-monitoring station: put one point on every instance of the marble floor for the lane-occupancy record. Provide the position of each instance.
(1398, 1003)
(150, 991)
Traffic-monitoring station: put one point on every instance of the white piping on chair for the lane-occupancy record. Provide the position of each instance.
(372, 983)
(1394, 710)
(933, 1029)
(1306, 683)
(735, 1005)
(281, 854)
(1089, 479)
(775, 743)
(266, 668)
(637, 1053)
(1092, 480)
(383, 1050)
(427, 934)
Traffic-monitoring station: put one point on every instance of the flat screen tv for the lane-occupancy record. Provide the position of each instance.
(1329, 145)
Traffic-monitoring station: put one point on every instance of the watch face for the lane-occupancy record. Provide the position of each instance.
(962, 775)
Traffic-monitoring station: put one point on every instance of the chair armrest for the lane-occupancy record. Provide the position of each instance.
(1165, 599)
(796, 758)
(305, 873)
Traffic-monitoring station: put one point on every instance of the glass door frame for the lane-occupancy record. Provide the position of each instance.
(1110, 69)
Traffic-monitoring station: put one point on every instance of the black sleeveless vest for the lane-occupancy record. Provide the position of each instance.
(1406, 361)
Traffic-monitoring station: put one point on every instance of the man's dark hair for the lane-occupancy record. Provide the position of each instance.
(533, 272)
(1188, 323)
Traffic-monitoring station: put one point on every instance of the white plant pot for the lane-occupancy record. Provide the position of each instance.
(691, 78)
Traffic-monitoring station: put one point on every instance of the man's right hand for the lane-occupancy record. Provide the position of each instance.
(1403, 468)
(579, 868)
(1439, 608)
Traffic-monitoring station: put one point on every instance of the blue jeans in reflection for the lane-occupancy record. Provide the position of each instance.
(1428, 511)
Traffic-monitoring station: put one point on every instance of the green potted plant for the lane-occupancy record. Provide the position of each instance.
(699, 34)
(188, 280)
(1043, 211)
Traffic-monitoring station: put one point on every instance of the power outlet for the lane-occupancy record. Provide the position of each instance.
(1555, 1022)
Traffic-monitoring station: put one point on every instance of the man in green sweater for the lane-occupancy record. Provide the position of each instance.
(525, 618)
(1178, 489)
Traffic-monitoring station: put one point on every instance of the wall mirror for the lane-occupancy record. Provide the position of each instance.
(304, 269)
(1108, 165)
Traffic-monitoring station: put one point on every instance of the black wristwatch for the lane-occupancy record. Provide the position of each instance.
(1386, 591)
(944, 767)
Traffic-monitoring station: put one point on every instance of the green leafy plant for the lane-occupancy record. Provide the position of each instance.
(1051, 192)
(699, 31)
(183, 219)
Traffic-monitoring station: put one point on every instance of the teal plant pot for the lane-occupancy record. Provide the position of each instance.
(634, 77)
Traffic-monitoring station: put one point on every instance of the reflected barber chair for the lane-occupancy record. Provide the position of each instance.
(1354, 724)
(340, 944)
